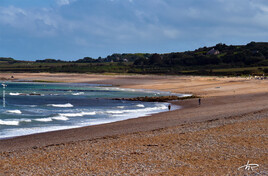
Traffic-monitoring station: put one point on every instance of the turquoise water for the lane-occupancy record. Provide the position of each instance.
(27, 108)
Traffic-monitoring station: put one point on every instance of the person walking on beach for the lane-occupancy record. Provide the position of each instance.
(169, 107)
(199, 101)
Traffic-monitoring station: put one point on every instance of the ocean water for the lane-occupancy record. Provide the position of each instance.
(28, 108)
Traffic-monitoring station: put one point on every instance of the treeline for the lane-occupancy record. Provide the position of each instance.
(219, 56)
(111, 58)
(238, 59)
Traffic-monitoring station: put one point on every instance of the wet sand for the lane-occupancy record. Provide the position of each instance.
(228, 129)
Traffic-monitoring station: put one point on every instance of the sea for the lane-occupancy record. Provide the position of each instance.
(28, 107)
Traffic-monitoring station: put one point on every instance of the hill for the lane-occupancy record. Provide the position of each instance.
(220, 59)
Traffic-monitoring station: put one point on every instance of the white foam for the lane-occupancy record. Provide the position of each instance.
(71, 114)
(49, 119)
(63, 118)
(25, 120)
(119, 115)
(143, 111)
(26, 131)
(9, 122)
(140, 105)
(14, 111)
(67, 105)
(120, 107)
(14, 94)
(77, 114)
(115, 112)
(89, 113)
(78, 93)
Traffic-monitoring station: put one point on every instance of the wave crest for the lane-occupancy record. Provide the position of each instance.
(14, 123)
(78, 93)
(67, 105)
(77, 114)
(14, 111)
(14, 94)
(140, 105)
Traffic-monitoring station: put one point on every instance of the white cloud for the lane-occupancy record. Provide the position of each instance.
(10, 15)
(64, 2)
(41, 22)
(261, 7)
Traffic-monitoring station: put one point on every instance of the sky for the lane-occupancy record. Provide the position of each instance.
(73, 29)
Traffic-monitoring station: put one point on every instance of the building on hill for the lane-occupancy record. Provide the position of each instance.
(213, 52)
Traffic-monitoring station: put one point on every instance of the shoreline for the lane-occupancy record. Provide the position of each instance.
(141, 124)
(227, 130)
(8, 141)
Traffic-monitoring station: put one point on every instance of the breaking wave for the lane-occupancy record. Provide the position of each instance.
(78, 93)
(77, 114)
(14, 111)
(9, 122)
(14, 94)
(64, 116)
(49, 119)
(67, 105)
(13, 122)
(144, 110)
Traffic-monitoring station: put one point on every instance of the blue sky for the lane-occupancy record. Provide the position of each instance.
(73, 29)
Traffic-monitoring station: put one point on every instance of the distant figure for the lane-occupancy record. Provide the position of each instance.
(169, 107)
(199, 101)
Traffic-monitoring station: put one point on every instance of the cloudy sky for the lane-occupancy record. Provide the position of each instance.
(73, 29)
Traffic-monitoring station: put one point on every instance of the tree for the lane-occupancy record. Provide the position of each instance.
(155, 59)
(86, 60)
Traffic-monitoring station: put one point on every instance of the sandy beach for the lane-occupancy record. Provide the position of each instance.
(227, 130)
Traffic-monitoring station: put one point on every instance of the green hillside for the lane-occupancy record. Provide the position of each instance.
(220, 59)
